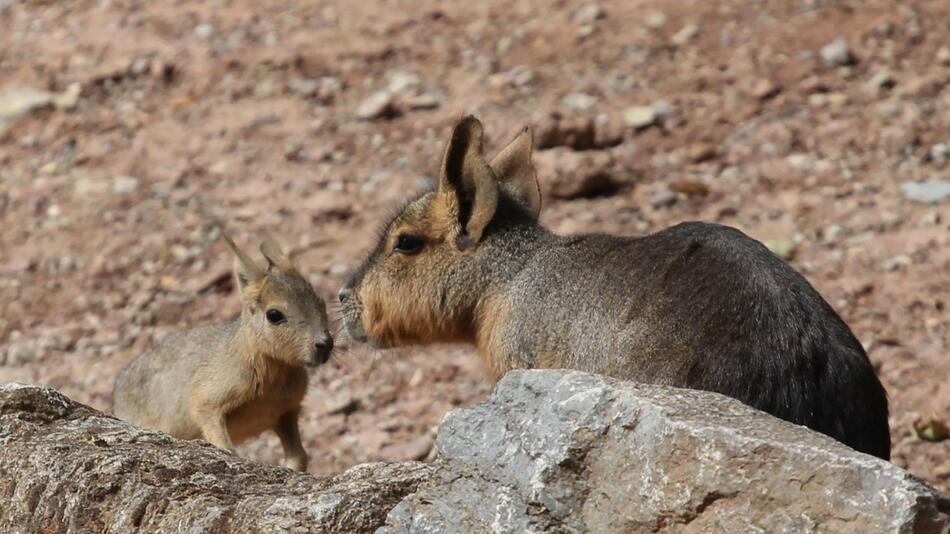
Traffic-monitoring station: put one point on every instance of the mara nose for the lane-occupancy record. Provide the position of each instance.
(322, 351)
(344, 295)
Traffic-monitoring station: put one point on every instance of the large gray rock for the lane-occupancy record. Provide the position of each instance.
(565, 451)
(556, 451)
(66, 468)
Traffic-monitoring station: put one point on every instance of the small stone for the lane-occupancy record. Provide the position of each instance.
(265, 88)
(765, 89)
(577, 174)
(18, 101)
(640, 117)
(662, 109)
(306, 87)
(378, 106)
(928, 191)
(423, 101)
(521, 76)
(343, 403)
(897, 262)
(68, 99)
(938, 153)
(837, 53)
(84, 186)
(203, 31)
(837, 100)
(19, 354)
(655, 20)
(589, 14)
(700, 152)
(943, 56)
(577, 133)
(579, 101)
(690, 187)
(881, 80)
(685, 35)
(783, 249)
(931, 429)
(662, 198)
(219, 167)
(403, 82)
(123, 185)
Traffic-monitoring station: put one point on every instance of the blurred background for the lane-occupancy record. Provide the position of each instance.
(129, 131)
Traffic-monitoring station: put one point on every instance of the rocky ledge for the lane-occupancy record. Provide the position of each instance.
(559, 451)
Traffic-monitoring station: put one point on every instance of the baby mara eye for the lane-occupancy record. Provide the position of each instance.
(275, 316)
(409, 244)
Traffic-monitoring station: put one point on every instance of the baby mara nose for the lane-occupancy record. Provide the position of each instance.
(321, 352)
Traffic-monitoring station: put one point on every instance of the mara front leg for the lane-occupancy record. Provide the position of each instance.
(213, 425)
(288, 430)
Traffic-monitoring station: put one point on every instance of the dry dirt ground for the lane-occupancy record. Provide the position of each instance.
(313, 120)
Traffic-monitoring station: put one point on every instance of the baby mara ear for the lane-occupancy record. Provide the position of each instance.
(469, 186)
(275, 256)
(246, 271)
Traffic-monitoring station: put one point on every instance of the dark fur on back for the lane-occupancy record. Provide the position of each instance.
(706, 307)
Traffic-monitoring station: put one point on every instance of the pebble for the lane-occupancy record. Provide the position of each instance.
(20, 353)
(378, 106)
(640, 117)
(939, 153)
(928, 191)
(68, 99)
(203, 31)
(589, 14)
(85, 186)
(685, 35)
(576, 174)
(655, 20)
(423, 101)
(403, 82)
(700, 152)
(837, 53)
(579, 101)
(881, 80)
(123, 185)
(18, 101)
(765, 89)
(343, 403)
(897, 262)
(783, 249)
(943, 56)
(662, 109)
(662, 198)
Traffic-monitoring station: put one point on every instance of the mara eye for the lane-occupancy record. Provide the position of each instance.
(275, 316)
(409, 244)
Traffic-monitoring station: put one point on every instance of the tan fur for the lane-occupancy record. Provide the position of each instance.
(227, 383)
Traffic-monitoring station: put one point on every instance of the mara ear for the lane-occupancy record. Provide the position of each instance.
(516, 174)
(275, 256)
(468, 189)
(245, 270)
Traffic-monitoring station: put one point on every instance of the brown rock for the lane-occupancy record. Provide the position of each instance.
(699, 152)
(571, 174)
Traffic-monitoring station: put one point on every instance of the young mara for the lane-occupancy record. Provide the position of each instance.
(226, 383)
